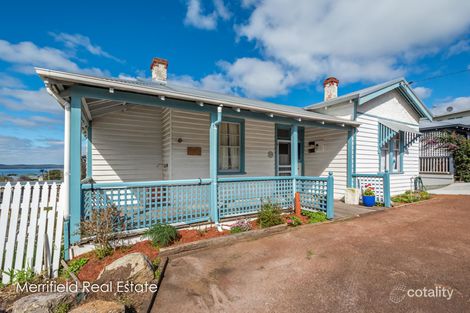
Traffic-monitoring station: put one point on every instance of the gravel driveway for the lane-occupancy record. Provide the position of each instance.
(380, 262)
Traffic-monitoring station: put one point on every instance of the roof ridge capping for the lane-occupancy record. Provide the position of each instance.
(366, 94)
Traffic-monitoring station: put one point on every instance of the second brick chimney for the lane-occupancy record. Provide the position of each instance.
(330, 86)
(159, 68)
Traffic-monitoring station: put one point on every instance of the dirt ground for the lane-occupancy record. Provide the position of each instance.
(374, 263)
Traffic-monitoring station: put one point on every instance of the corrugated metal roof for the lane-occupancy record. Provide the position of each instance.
(183, 92)
(455, 122)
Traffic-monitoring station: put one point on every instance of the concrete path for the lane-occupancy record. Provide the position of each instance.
(453, 189)
(375, 263)
(343, 210)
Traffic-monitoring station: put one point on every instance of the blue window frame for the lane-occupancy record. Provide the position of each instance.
(391, 154)
(231, 146)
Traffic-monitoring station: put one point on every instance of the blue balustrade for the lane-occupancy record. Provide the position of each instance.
(180, 202)
(379, 181)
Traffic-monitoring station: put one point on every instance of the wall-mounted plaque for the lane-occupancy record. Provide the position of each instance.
(193, 151)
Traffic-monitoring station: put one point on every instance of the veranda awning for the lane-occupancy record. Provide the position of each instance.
(388, 129)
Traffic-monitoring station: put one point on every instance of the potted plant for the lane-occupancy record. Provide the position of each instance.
(368, 196)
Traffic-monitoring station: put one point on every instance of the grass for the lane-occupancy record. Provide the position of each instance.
(310, 254)
(314, 217)
(411, 196)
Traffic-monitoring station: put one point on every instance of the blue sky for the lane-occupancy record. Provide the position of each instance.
(274, 50)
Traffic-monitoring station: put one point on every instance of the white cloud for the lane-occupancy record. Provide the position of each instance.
(314, 39)
(423, 92)
(29, 121)
(77, 40)
(195, 16)
(25, 55)
(459, 47)
(257, 78)
(28, 100)
(455, 105)
(10, 81)
(16, 150)
(212, 82)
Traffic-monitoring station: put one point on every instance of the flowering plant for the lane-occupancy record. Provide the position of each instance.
(369, 191)
(240, 226)
(293, 221)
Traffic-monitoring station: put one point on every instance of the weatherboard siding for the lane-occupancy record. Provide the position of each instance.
(333, 157)
(391, 105)
(127, 146)
(259, 141)
(193, 130)
(367, 156)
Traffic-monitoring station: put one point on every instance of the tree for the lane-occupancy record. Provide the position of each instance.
(459, 146)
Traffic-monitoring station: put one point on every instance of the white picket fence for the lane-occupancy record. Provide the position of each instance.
(31, 227)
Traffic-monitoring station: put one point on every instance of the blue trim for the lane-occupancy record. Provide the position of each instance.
(241, 122)
(199, 181)
(405, 91)
(89, 156)
(386, 187)
(330, 196)
(75, 165)
(301, 143)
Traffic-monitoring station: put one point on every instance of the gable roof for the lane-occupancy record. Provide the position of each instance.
(364, 95)
(61, 79)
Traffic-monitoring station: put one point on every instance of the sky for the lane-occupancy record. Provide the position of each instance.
(279, 50)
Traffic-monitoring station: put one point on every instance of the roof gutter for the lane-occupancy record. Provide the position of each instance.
(102, 82)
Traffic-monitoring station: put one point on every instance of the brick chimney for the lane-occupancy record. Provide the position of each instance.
(159, 69)
(330, 86)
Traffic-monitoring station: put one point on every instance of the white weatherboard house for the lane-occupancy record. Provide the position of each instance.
(163, 153)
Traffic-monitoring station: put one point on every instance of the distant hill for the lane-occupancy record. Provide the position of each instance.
(28, 166)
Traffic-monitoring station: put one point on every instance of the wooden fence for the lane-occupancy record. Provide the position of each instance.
(31, 227)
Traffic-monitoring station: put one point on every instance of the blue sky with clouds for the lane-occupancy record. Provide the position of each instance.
(276, 50)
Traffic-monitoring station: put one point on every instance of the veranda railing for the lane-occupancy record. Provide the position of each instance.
(379, 181)
(143, 204)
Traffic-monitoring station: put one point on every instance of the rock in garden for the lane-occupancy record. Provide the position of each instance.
(42, 302)
(100, 306)
(134, 267)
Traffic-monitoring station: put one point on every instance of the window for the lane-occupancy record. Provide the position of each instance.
(391, 156)
(231, 147)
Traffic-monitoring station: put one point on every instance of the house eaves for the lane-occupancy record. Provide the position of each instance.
(62, 80)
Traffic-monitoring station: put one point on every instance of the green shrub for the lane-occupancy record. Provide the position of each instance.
(314, 217)
(293, 221)
(162, 235)
(75, 266)
(269, 215)
(411, 196)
